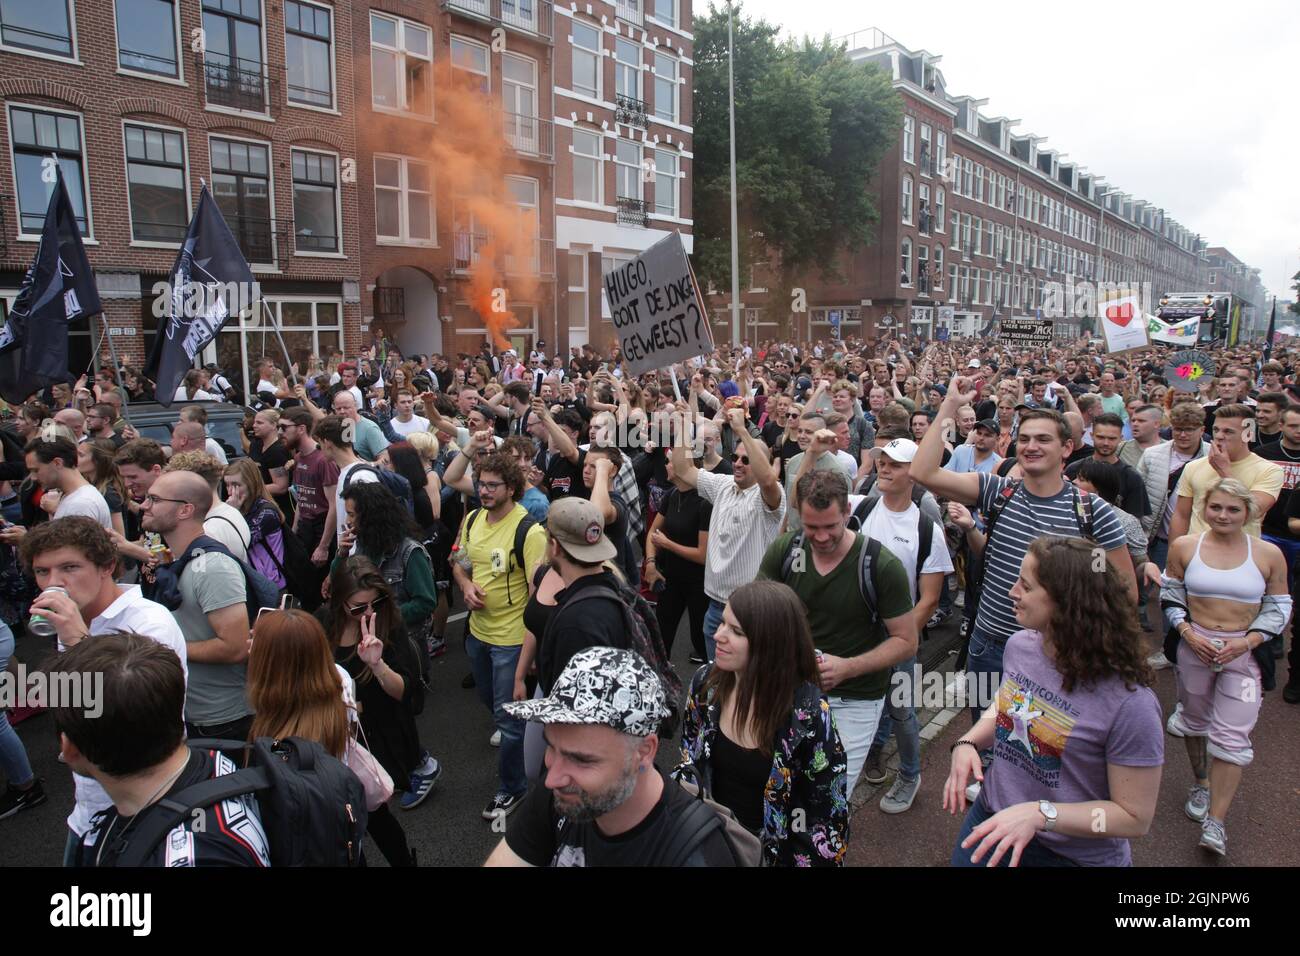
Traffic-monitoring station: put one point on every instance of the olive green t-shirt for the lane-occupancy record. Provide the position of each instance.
(838, 615)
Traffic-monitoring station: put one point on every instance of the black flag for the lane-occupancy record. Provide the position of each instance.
(210, 282)
(1268, 339)
(58, 288)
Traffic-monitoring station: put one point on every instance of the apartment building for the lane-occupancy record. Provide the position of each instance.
(1229, 276)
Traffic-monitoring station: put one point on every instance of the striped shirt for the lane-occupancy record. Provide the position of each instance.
(740, 531)
(1025, 518)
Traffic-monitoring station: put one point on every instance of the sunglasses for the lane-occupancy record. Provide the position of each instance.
(357, 610)
(740, 459)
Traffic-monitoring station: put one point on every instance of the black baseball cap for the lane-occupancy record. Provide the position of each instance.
(991, 424)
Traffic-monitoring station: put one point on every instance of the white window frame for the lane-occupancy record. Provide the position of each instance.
(926, 137)
(126, 162)
(248, 326)
(674, 178)
(609, 260)
(35, 236)
(636, 173)
(338, 205)
(334, 78)
(598, 53)
(536, 207)
(907, 264)
(909, 140)
(403, 210)
(400, 51)
(75, 58)
(179, 78)
(939, 209)
(652, 6)
(939, 266)
(486, 72)
(940, 151)
(979, 182)
(906, 198)
(623, 68)
(265, 111)
(582, 288)
(673, 84)
(598, 158)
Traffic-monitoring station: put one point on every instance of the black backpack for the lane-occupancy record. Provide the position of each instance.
(521, 536)
(925, 526)
(868, 563)
(259, 590)
(399, 486)
(313, 807)
(393, 568)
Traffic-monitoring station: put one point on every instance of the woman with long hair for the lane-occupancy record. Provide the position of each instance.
(1075, 728)
(759, 735)
(247, 495)
(297, 689)
(388, 691)
(1007, 423)
(96, 464)
(426, 487)
(1225, 594)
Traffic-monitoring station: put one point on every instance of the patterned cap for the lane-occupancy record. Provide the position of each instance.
(579, 527)
(606, 686)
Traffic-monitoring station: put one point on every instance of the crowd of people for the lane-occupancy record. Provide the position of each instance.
(807, 512)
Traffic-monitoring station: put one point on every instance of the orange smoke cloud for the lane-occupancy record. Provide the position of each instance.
(493, 242)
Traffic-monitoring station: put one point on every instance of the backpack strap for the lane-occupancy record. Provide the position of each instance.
(999, 505)
(861, 513)
(787, 562)
(926, 529)
(525, 525)
(469, 524)
(162, 817)
(693, 826)
(868, 564)
(1083, 512)
(234, 527)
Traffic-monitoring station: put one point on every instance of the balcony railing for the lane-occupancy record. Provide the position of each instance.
(390, 303)
(532, 17)
(633, 212)
(540, 261)
(146, 231)
(629, 10)
(236, 84)
(630, 110)
(535, 258)
(530, 135)
(259, 239)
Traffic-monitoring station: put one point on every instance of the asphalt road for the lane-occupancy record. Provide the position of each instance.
(447, 829)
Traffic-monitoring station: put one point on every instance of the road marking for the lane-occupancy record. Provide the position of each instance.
(458, 617)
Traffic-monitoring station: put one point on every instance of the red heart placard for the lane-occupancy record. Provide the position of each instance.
(1120, 314)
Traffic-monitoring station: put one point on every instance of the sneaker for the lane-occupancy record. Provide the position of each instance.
(1158, 661)
(495, 739)
(502, 805)
(420, 787)
(900, 795)
(467, 682)
(973, 792)
(873, 771)
(1174, 725)
(1198, 802)
(437, 646)
(959, 600)
(1291, 692)
(938, 617)
(14, 801)
(1213, 837)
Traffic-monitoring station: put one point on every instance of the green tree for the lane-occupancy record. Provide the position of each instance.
(811, 129)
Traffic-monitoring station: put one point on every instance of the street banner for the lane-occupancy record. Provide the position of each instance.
(1189, 369)
(58, 288)
(1181, 333)
(209, 276)
(1026, 332)
(656, 308)
(1122, 321)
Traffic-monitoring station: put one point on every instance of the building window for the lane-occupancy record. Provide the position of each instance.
(155, 183)
(309, 328)
(471, 62)
(977, 244)
(665, 183)
(923, 210)
(952, 283)
(308, 57)
(586, 59)
(627, 68)
(927, 166)
(923, 269)
(35, 136)
(241, 185)
(938, 209)
(525, 193)
(146, 36)
(938, 267)
(401, 65)
(941, 152)
(665, 11)
(34, 25)
(906, 277)
(907, 200)
(979, 183)
(965, 235)
(588, 166)
(909, 140)
(609, 261)
(232, 62)
(627, 159)
(578, 298)
(666, 87)
(315, 202)
(967, 178)
(404, 211)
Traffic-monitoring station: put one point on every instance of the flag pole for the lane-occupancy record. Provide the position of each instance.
(117, 372)
(288, 362)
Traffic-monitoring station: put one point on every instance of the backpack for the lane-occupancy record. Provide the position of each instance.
(925, 525)
(312, 806)
(259, 590)
(1083, 514)
(399, 486)
(642, 627)
(526, 523)
(701, 818)
(868, 562)
(393, 568)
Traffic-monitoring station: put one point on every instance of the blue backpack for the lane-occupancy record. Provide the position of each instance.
(259, 590)
(399, 486)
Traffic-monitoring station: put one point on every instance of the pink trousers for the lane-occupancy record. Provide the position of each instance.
(1221, 705)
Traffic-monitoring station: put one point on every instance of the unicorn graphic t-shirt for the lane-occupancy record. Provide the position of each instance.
(1054, 745)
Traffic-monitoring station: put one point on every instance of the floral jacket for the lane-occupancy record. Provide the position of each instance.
(805, 803)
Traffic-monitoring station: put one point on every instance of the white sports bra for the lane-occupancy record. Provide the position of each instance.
(1244, 583)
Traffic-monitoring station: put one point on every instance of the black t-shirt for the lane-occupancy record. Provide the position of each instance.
(1275, 521)
(723, 467)
(740, 779)
(1264, 438)
(1132, 490)
(277, 456)
(617, 532)
(772, 433)
(540, 836)
(592, 624)
(686, 514)
(231, 833)
(561, 477)
(789, 448)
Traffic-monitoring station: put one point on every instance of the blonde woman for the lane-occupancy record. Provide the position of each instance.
(246, 493)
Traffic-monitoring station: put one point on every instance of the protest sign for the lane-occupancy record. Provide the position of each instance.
(1189, 369)
(1123, 322)
(1026, 332)
(656, 308)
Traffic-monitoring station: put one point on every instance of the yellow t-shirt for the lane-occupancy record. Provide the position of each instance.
(1257, 474)
(491, 551)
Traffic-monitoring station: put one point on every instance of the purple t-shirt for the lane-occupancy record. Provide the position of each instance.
(1053, 745)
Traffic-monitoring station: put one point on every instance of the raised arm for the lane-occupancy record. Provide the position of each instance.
(561, 443)
(927, 467)
(764, 474)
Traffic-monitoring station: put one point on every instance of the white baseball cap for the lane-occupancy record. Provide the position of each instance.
(901, 450)
(973, 363)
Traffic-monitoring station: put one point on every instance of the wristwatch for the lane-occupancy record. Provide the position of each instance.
(1048, 809)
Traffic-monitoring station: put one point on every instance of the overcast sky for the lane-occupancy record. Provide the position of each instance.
(1193, 108)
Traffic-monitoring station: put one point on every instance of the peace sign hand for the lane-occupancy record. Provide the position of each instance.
(371, 648)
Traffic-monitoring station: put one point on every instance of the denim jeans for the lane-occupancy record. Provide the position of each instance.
(1035, 854)
(493, 667)
(984, 656)
(712, 621)
(945, 593)
(1158, 552)
(899, 718)
(855, 722)
(14, 764)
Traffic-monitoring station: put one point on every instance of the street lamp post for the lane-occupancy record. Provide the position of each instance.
(735, 246)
